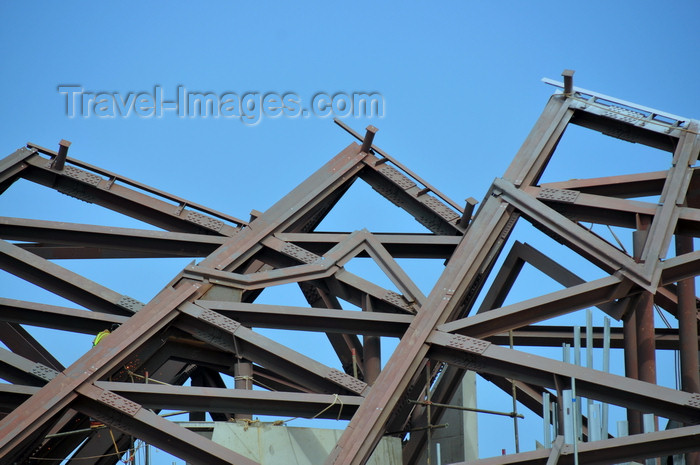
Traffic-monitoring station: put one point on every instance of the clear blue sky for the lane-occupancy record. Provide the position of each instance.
(460, 82)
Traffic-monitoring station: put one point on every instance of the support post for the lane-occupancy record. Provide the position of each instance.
(59, 162)
(688, 333)
(568, 75)
(468, 211)
(369, 137)
(243, 372)
(372, 349)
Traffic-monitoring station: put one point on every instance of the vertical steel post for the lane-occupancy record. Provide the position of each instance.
(546, 421)
(243, 372)
(687, 324)
(688, 333)
(629, 330)
(514, 394)
(372, 350)
(606, 368)
(589, 364)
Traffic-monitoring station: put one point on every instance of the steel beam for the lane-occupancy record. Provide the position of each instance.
(609, 451)
(131, 418)
(138, 242)
(59, 393)
(539, 308)
(56, 317)
(481, 356)
(63, 282)
(211, 399)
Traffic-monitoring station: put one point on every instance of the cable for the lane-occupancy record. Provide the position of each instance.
(336, 399)
(676, 355)
(118, 453)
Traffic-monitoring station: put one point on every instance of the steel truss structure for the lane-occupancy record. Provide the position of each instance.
(200, 326)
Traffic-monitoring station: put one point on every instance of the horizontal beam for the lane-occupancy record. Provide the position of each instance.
(109, 193)
(146, 188)
(598, 209)
(156, 243)
(398, 245)
(20, 370)
(64, 282)
(481, 356)
(312, 319)
(129, 417)
(55, 317)
(677, 268)
(209, 399)
(229, 335)
(623, 186)
(555, 336)
(609, 451)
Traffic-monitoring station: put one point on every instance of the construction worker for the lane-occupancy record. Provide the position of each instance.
(102, 334)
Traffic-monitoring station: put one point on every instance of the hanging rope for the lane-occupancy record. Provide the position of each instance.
(253, 380)
(150, 380)
(336, 399)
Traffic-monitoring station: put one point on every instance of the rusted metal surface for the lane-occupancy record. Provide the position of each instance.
(202, 326)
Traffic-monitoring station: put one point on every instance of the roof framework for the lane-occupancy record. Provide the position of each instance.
(201, 325)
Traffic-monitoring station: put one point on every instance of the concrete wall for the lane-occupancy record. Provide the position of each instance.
(285, 445)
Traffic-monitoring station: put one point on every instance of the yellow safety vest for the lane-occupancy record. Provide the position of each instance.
(99, 337)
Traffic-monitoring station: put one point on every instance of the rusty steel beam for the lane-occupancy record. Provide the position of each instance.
(131, 418)
(19, 341)
(609, 451)
(158, 396)
(241, 341)
(125, 240)
(110, 190)
(687, 324)
(64, 282)
(398, 245)
(622, 186)
(555, 336)
(21, 370)
(56, 317)
(572, 235)
(312, 319)
(482, 356)
(538, 309)
(11, 167)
